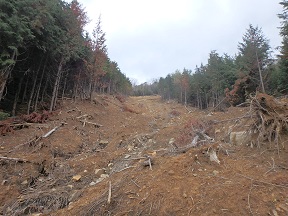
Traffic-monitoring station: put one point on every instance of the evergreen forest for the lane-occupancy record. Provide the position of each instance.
(47, 56)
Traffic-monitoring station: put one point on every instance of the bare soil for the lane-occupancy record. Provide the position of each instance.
(61, 174)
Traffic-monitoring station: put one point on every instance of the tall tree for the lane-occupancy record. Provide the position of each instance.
(283, 70)
(254, 58)
(99, 57)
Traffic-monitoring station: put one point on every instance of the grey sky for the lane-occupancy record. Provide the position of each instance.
(153, 38)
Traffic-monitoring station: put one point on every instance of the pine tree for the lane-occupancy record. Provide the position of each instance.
(283, 65)
(254, 58)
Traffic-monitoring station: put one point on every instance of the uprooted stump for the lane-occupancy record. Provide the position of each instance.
(271, 118)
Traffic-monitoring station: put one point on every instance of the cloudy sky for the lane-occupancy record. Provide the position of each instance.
(153, 38)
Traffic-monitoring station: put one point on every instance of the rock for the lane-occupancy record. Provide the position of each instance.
(130, 148)
(103, 176)
(274, 212)
(92, 183)
(171, 141)
(127, 156)
(154, 153)
(70, 186)
(171, 172)
(70, 206)
(24, 182)
(215, 172)
(99, 180)
(4, 182)
(103, 143)
(194, 175)
(239, 138)
(99, 172)
(217, 131)
(76, 177)
(185, 195)
(200, 170)
(213, 156)
(285, 208)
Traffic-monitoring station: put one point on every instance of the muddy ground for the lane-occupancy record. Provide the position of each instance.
(134, 157)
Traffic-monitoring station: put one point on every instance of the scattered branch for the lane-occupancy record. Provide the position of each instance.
(272, 167)
(109, 193)
(14, 159)
(263, 182)
(125, 169)
(92, 123)
(135, 183)
(150, 165)
(248, 200)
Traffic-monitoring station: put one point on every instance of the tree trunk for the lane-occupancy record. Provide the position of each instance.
(17, 96)
(56, 86)
(39, 86)
(91, 87)
(4, 75)
(64, 87)
(44, 89)
(33, 88)
(260, 74)
(185, 97)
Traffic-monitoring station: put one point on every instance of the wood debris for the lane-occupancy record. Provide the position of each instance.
(271, 118)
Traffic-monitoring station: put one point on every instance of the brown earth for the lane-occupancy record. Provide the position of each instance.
(61, 174)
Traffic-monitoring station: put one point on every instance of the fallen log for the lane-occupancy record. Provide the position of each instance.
(53, 130)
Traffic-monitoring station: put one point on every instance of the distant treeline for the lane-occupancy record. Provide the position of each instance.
(229, 79)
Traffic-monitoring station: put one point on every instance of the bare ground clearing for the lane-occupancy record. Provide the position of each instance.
(131, 158)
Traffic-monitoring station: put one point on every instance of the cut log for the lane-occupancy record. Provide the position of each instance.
(53, 130)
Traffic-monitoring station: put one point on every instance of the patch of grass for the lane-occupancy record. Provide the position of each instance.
(3, 115)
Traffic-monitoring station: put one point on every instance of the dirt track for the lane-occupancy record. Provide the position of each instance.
(60, 176)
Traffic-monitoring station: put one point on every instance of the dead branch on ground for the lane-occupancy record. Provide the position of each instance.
(14, 159)
(109, 193)
(92, 123)
(38, 201)
(53, 130)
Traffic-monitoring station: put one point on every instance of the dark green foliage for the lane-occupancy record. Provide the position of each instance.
(45, 55)
(230, 80)
(3, 115)
(205, 87)
(254, 58)
(282, 73)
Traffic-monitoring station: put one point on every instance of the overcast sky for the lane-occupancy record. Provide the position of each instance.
(153, 38)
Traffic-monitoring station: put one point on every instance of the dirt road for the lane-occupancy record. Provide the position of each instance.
(139, 147)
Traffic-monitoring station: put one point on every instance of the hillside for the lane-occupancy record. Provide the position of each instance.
(135, 157)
